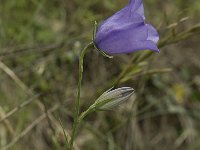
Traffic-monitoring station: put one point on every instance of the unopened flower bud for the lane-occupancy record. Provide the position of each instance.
(112, 98)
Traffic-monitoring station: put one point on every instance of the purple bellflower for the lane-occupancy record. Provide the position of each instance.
(126, 31)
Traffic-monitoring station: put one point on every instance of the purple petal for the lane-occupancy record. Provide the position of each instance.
(126, 32)
(125, 15)
(128, 39)
(152, 34)
(124, 46)
(137, 7)
(122, 26)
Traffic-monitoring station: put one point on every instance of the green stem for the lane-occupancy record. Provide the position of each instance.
(85, 113)
(77, 102)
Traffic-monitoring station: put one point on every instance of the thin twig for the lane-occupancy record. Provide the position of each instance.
(41, 48)
(21, 84)
(29, 128)
(13, 76)
(6, 122)
(6, 116)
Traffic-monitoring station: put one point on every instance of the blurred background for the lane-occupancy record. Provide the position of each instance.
(40, 43)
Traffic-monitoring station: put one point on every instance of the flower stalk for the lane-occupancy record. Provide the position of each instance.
(77, 101)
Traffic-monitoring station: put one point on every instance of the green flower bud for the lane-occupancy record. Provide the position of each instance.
(112, 98)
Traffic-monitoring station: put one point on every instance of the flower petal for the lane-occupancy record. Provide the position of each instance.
(137, 7)
(126, 47)
(126, 31)
(152, 34)
(127, 40)
(121, 26)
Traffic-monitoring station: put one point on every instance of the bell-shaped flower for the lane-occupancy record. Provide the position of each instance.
(126, 31)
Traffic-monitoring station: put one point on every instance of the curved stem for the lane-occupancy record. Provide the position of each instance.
(85, 113)
(77, 102)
